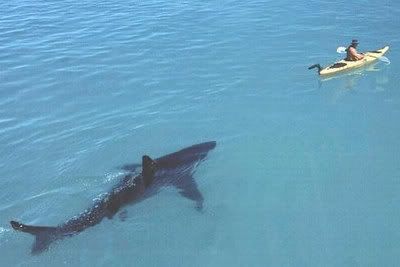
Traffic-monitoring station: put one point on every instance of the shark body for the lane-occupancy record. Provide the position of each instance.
(175, 169)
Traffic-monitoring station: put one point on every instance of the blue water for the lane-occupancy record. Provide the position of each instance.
(305, 173)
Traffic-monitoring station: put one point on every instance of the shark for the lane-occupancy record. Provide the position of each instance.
(175, 169)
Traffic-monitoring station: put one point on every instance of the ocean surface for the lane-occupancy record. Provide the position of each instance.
(306, 171)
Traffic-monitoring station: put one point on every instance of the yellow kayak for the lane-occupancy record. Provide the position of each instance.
(344, 65)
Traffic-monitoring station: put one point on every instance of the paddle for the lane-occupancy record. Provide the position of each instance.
(342, 50)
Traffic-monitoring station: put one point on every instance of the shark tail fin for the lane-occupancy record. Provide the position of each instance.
(43, 235)
(148, 169)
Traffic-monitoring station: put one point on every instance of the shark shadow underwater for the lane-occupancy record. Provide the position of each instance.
(175, 169)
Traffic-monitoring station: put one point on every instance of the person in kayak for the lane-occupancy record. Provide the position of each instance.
(352, 54)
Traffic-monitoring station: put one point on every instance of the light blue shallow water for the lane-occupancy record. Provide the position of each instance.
(305, 173)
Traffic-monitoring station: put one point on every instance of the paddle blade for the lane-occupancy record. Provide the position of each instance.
(384, 60)
(341, 50)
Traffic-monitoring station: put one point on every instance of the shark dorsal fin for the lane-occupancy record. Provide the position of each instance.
(148, 170)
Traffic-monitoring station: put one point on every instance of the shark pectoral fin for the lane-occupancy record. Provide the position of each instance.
(194, 195)
(123, 215)
(187, 187)
(44, 235)
(148, 170)
(131, 167)
(177, 169)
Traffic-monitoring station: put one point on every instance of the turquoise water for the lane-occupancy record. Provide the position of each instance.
(305, 173)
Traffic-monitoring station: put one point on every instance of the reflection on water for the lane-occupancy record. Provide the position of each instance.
(376, 73)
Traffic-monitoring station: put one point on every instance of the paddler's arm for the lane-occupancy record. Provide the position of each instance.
(354, 53)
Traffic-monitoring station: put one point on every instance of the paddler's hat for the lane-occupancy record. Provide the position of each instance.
(354, 42)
